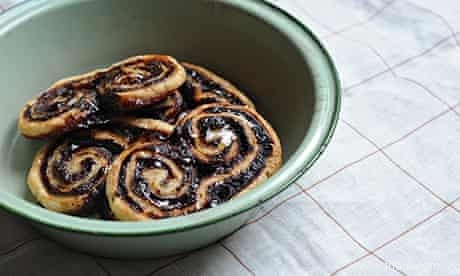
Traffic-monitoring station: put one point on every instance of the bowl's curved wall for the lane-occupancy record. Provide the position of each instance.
(280, 65)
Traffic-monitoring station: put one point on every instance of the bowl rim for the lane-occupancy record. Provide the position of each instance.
(324, 122)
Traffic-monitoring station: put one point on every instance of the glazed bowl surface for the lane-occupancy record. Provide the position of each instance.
(267, 53)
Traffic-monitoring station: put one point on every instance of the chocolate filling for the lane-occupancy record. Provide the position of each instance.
(228, 187)
(167, 110)
(106, 148)
(62, 99)
(140, 187)
(109, 81)
(206, 85)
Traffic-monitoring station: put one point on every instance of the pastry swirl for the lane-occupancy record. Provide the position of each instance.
(216, 152)
(140, 81)
(68, 175)
(204, 87)
(80, 101)
(59, 109)
(152, 180)
(235, 149)
(167, 110)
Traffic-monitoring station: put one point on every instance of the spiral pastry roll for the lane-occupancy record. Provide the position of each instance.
(72, 103)
(235, 150)
(152, 180)
(63, 107)
(167, 110)
(140, 81)
(203, 87)
(68, 175)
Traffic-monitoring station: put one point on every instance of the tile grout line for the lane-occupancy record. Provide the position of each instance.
(407, 60)
(424, 124)
(395, 238)
(438, 15)
(396, 75)
(432, 93)
(168, 264)
(402, 169)
(238, 259)
(269, 211)
(359, 42)
(352, 163)
(19, 245)
(311, 186)
(101, 266)
(336, 172)
(312, 18)
(389, 68)
(362, 22)
(347, 233)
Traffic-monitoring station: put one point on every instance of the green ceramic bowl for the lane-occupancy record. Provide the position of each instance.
(265, 51)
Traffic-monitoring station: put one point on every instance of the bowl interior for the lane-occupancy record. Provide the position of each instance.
(70, 37)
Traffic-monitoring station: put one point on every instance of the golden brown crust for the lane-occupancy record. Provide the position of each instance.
(167, 110)
(141, 80)
(163, 174)
(134, 160)
(67, 175)
(216, 152)
(147, 124)
(262, 160)
(76, 102)
(58, 110)
(204, 86)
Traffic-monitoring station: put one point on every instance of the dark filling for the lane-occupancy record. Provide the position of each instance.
(222, 192)
(107, 81)
(57, 101)
(130, 132)
(206, 85)
(102, 209)
(60, 100)
(106, 148)
(166, 110)
(141, 188)
(217, 163)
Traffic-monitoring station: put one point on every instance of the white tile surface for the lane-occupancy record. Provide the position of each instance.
(214, 260)
(457, 204)
(431, 160)
(5, 4)
(356, 60)
(14, 231)
(402, 31)
(443, 9)
(296, 239)
(274, 202)
(438, 71)
(300, 11)
(369, 266)
(386, 108)
(431, 249)
(126, 267)
(374, 200)
(346, 147)
(331, 12)
(43, 257)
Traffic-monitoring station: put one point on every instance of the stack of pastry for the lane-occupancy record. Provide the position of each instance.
(146, 138)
